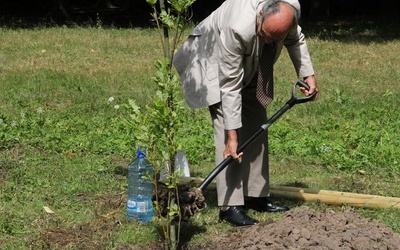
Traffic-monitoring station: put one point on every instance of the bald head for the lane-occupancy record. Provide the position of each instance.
(275, 21)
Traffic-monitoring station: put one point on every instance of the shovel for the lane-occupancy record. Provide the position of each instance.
(191, 200)
(289, 104)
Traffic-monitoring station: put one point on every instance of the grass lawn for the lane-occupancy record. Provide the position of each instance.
(65, 143)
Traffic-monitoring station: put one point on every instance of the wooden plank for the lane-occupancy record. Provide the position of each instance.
(323, 196)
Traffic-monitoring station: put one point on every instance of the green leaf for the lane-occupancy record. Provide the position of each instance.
(151, 2)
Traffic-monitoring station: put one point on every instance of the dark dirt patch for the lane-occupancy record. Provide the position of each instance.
(84, 236)
(191, 200)
(305, 228)
(55, 233)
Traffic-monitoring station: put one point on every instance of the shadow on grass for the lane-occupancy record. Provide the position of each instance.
(350, 29)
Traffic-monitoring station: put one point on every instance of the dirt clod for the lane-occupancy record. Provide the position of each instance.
(191, 200)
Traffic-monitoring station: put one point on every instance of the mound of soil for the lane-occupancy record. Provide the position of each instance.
(305, 228)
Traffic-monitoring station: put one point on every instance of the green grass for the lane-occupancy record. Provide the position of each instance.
(64, 144)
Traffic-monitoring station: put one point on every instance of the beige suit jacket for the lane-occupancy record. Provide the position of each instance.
(220, 57)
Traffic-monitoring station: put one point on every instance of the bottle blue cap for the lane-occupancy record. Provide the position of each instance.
(140, 154)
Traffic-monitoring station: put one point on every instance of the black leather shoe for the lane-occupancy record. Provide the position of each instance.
(237, 217)
(263, 204)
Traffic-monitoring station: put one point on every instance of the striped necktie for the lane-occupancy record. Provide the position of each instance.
(265, 80)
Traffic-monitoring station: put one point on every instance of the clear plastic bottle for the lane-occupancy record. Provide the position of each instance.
(140, 191)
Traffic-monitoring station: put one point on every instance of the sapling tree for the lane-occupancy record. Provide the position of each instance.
(156, 125)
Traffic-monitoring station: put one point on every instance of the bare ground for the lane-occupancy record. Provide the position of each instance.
(305, 228)
(302, 228)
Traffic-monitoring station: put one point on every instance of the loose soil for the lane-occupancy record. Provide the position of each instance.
(305, 228)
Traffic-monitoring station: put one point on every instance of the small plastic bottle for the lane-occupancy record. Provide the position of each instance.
(140, 191)
(181, 163)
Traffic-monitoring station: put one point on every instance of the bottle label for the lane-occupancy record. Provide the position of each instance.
(138, 206)
(142, 207)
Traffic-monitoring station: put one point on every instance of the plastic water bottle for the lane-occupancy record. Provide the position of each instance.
(181, 163)
(140, 191)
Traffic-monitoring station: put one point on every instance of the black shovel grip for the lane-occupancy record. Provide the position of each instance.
(302, 84)
(293, 100)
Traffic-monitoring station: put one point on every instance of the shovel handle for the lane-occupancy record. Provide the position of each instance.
(293, 100)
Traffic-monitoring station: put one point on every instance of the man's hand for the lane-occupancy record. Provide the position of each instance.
(231, 145)
(312, 83)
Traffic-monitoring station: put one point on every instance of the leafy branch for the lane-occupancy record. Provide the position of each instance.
(157, 125)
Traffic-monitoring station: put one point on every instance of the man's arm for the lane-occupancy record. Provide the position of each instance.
(297, 48)
(312, 83)
(298, 51)
(231, 74)
(232, 144)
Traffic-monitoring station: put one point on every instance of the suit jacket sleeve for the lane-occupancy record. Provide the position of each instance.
(231, 72)
(297, 48)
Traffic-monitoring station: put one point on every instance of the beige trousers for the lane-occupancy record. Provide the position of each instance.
(248, 176)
